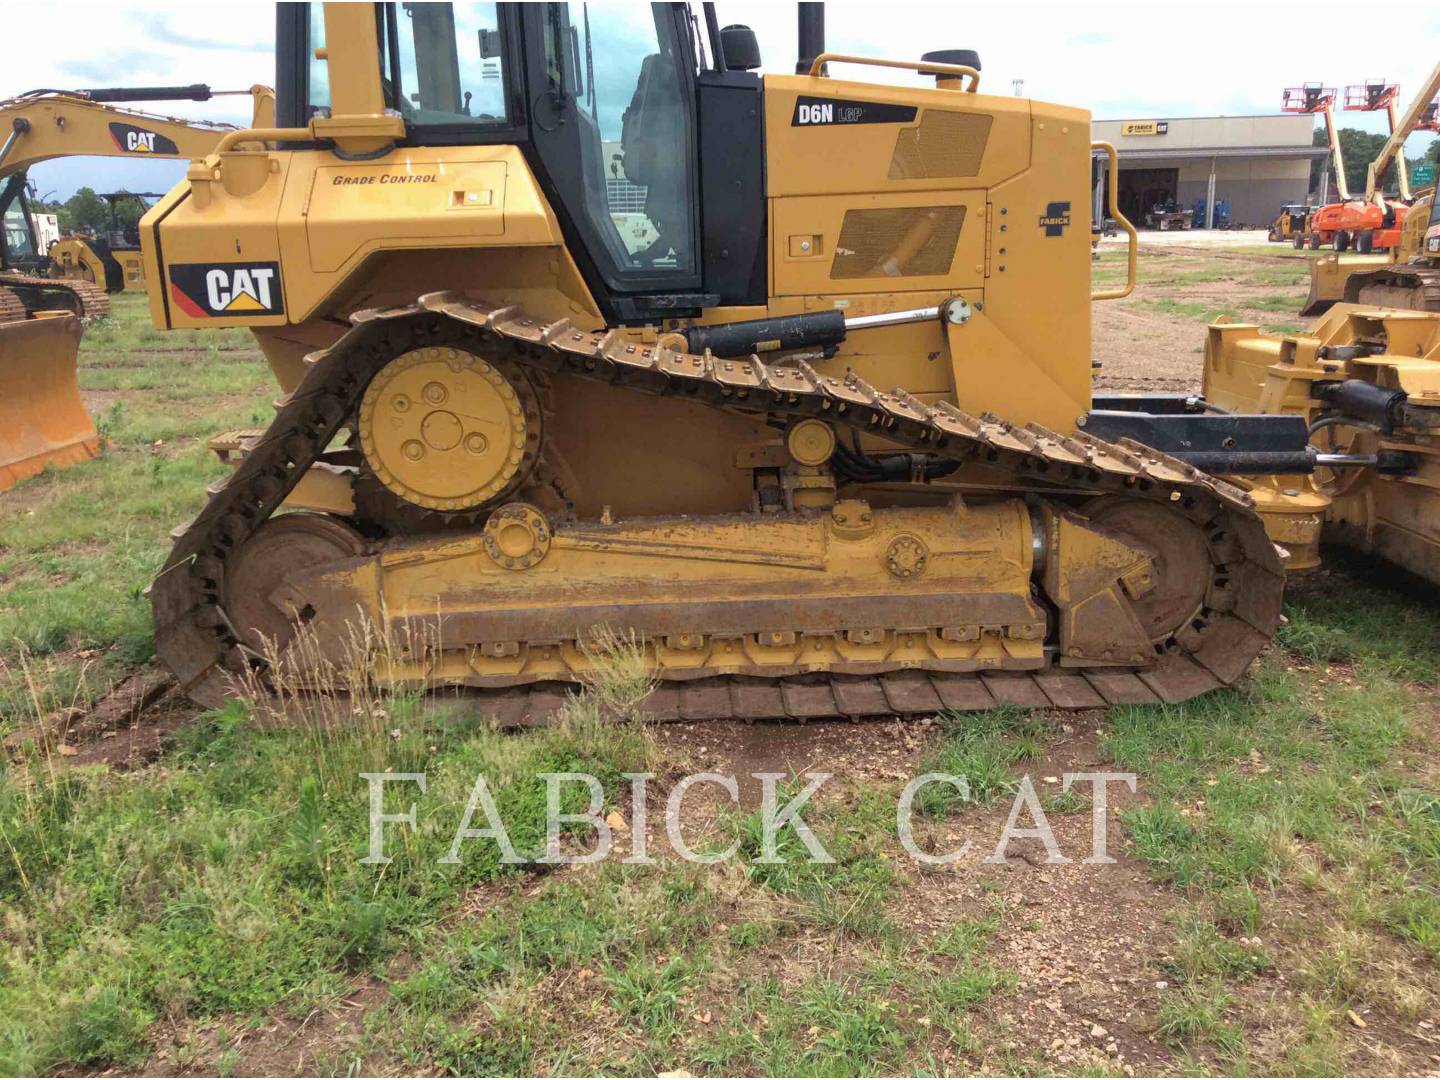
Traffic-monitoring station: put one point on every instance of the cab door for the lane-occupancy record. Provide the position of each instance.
(611, 91)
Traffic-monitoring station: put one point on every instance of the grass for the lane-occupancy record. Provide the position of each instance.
(1290, 830)
(84, 542)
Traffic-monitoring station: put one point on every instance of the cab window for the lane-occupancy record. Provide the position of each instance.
(15, 221)
(619, 68)
(440, 64)
(450, 64)
(318, 79)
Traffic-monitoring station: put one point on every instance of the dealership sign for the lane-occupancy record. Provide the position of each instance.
(1144, 127)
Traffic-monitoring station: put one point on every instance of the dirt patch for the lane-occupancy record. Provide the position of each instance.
(323, 1041)
(127, 728)
(1147, 352)
(1084, 943)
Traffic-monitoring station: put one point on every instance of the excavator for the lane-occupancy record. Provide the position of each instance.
(46, 295)
(45, 124)
(819, 437)
(1374, 221)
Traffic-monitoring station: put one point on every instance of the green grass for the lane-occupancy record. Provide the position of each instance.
(75, 558)
(251, 889)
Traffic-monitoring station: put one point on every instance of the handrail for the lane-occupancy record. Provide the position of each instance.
(1112, 182)
(925, 67)
(262, 135)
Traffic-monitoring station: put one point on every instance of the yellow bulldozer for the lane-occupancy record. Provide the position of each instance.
(43, 421)
(1366, 381)
(785, 378)
(1412, 281)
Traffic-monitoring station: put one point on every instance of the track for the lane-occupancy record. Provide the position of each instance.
(1412, 288)
(82, 298)
(196, 639)
(12, 308)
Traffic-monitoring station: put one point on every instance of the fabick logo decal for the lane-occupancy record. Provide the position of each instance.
(130, 139)
(214, 291)
(1056, 218)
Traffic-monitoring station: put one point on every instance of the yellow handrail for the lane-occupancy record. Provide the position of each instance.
(1112, 181)
(925, 67)
(262, 135)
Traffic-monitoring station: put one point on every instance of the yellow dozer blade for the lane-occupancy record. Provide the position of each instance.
(42, 419)
(1328, 274)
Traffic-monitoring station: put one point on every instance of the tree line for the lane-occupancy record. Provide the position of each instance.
(1359, 148)
(87, 211)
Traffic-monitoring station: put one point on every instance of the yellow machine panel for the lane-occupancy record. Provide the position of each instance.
(329, 217)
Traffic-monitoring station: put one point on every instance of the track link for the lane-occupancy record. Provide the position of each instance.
(12, 308)
(1415, 288)
(196, 639)
(82, 298)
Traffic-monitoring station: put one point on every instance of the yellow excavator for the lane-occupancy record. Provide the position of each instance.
(1331, 275)
(786, 378)
(46, 124)
(45, 295)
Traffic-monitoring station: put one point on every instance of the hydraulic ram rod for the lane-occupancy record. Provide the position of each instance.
(812, 329)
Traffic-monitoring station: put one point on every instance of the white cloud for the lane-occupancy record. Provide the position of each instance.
(1119, 59)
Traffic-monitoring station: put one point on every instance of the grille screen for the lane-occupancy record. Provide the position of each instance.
(942, 144)
(909, 241)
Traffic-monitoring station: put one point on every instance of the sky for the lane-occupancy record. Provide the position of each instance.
(1121, 60)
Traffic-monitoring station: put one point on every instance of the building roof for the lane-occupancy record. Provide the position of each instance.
(1201, 152)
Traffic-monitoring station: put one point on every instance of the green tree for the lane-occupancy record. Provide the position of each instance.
(86, 210)
(1359, 148)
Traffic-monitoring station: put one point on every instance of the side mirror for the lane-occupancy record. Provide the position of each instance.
(740, 47)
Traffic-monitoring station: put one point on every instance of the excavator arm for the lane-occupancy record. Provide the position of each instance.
(49, 124)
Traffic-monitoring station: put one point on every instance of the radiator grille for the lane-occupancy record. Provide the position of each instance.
(909, 241)
(943, 144)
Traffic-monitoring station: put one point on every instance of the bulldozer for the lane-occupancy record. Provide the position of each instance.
(1382, 229)
(1366, 381)
(38, 357)
(43, 421)
(1412, 282)
(784, 378)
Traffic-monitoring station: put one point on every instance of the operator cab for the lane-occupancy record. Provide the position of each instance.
(18, 248)
(630, 131)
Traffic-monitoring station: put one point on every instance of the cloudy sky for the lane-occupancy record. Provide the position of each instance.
(1120, 60)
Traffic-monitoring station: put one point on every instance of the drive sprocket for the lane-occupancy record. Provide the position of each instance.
(444, 433)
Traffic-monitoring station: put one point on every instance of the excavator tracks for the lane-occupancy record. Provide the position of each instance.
(12, 308)
(83, 299)
(197, 639)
